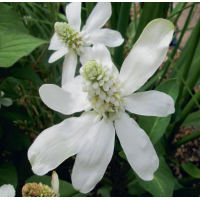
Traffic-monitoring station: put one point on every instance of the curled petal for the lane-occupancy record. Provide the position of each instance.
(62, 101)
(59, 142)
(146, 55)
(150, 103)
(94, 157)
(137, 147)
(73, 13)
(98, 17)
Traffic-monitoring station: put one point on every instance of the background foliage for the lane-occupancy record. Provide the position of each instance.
(25, 32)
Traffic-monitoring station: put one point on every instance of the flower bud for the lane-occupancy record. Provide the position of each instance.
(37, 190)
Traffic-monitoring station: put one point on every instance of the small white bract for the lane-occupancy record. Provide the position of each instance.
(105, 95)
(68, 40)
(5, 101)
(7, 190)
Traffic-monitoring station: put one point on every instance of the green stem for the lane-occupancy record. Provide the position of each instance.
(187, 139)
(191, 83)
(121, 27)
(167, 64)
(191, 28)
(182, 10)
(190, 56)
(177, 17)
(189, 107)
(188, 181)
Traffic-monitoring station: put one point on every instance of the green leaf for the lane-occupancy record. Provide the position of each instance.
(163, 183)
(135, 189)
(151, 11)
(178, 6)
(17, 71)
(10, 19)
(122, 27)
(14, 45)
(156, 126)
(104, 191)
(66, 189)
(191, 169)
(89, 7)
(8, 174)
(193, 119)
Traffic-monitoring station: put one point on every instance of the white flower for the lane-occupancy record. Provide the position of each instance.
(68, 40)
(109, 93)
(5, 101)
(7, 191)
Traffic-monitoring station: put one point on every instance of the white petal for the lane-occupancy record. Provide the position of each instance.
(74, 86)
(62, 101)
(55, 183)
(73, 13)
(107, 37)
(69, 67)
(150, 103)
(56, 43)
(59, 142)
(58, 54)
(94, 157)
(115, 70)
(102, 54)
(146, 55)
(137, 147)
(7, 191)
(98, 17)
(6, 102)
(86, 56)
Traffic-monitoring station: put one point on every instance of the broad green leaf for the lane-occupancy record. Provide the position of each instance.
(191, 169)
(66, 189)
(17, 71)
(104, 191)
(135, 189)
(8, 175)
(10, 19)
(163, 183)
(193, 119)
(156, 126)
(14, 45)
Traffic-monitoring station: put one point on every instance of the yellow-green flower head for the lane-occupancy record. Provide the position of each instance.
(92, 70)
(37, 190)
(69, 36)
